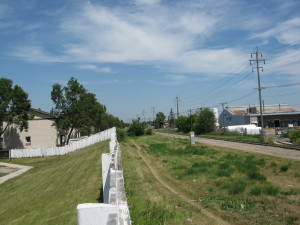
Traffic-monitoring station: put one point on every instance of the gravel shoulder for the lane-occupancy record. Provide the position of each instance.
(266, 150)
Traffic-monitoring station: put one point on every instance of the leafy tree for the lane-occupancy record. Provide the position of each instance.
(136, 128)
(183, 124)
(14, 106)
(159, 121)
(172, 119)
(75, 107)
(206, 122)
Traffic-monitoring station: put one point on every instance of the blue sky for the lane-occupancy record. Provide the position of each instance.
(139, 54)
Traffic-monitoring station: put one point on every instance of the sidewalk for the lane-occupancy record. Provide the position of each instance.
(20, 169)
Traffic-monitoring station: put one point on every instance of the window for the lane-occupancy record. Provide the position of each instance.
(28, 140)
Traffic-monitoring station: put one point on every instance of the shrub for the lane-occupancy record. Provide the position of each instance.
(149, 131)
(137, 128)
(294, 135)
(284, 168)
(121, 134)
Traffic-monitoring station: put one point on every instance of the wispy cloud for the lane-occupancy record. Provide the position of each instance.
(171, 37)
(95, 68)
(285, 32)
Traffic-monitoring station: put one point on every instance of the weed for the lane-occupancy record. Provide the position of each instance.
(255, 175)
(284, 167)
(222, 173)
(256, 190)
(237, 187)
(273, 164)
(270, 190)
(292, 220)
(261, 162)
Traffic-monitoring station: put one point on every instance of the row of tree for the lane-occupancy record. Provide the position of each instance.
(74, 106)
(202, 122)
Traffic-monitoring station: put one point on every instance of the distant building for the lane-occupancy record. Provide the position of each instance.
(41, 133)
(279, 115)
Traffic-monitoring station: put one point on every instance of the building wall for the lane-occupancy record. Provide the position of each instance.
(40, 134)
(231, 120)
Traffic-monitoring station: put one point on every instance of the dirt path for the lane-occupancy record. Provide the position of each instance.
(19, 169)
(197, 204)
(266, 150)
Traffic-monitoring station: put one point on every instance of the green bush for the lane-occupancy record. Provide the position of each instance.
(121, 134)
(294, 135)
(149, 131)
(136, 128)
(284, 167)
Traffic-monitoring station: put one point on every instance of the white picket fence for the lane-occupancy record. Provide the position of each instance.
(44, 152)
(114, 210)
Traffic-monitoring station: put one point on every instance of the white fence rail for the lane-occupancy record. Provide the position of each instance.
(44, 152)
(114, 210)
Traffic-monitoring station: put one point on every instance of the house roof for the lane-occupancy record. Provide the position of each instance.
(49, 115)
(272, 109)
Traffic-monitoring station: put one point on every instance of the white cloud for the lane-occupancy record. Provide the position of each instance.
(95, 68)
(147, 2)
(171, 37)
(285, 32)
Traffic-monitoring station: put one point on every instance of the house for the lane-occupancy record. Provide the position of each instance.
(279, 115)
(41, 133)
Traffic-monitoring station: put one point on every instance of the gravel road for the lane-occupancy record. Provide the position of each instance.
(267, 150)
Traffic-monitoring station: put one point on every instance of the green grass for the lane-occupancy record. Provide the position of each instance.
(50, 192)
(240, 187)
(2, 174)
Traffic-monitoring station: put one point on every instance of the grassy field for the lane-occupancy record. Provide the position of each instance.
(240, 188)
(222, 135)
(50, 192)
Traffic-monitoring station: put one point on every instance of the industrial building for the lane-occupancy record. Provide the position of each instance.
(279, 115)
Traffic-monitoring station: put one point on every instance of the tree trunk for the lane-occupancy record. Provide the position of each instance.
(69, 134)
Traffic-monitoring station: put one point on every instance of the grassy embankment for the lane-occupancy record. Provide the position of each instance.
(50, 192)
(241, 188)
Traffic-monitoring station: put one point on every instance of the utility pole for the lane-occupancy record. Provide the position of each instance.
(191, 119)
(223, 103)
(153, 112)
(257, 60)
(177, 105)
(144, 115)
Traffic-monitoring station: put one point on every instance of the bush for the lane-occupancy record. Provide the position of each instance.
(149, 131)
(284, 168)
(121, 134)
(137, 128)
(294, 135)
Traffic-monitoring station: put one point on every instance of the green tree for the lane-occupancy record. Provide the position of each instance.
(205, 122)
(159, 121)
(75, 107)
(171, 119)
(14, 106)
(183, 124)
(136, 128)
